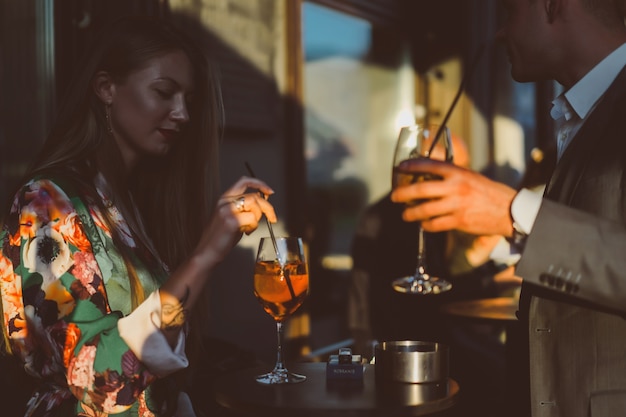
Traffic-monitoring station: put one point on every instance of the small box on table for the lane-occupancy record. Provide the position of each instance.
(344, 366)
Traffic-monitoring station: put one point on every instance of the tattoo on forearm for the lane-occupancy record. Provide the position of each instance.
(175, 315)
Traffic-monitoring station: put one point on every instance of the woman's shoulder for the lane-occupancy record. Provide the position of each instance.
(45, 199)
(49, 189)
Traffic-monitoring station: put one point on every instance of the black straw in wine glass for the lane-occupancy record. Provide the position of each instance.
(278, 257)
(464, 82)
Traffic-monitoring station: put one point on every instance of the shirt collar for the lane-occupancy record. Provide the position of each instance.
(583, 95)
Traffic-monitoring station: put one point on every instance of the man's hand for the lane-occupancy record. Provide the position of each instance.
(463, 199)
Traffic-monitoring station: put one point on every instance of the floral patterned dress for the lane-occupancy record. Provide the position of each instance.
(65, 295)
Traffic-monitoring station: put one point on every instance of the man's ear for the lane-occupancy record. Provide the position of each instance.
(103, 87)
(553, 8)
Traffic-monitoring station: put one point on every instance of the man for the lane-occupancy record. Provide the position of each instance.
(573, 240)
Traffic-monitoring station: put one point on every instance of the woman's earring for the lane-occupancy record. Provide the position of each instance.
(107, 114)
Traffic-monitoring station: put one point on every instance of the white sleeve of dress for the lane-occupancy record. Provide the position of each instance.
(141, 330)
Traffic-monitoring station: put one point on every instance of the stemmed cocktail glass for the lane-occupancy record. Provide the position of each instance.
(281, 283)
(414, 142)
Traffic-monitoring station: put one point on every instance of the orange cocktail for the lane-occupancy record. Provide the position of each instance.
(271, 287)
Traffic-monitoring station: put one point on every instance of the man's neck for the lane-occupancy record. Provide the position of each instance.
(588, 49)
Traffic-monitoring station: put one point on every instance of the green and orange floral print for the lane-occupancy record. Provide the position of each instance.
(57, 260)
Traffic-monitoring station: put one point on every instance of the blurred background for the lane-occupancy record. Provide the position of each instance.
(315, 93)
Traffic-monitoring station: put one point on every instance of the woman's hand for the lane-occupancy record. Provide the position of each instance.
(248, 208)
(238, 211)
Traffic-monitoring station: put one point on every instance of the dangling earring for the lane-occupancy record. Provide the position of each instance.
(107, 115)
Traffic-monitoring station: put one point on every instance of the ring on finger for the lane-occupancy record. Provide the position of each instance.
(240, 204)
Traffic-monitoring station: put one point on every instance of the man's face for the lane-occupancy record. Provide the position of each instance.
(526, 36)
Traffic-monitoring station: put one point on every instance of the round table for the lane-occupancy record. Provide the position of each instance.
(487, 309)
(238, 391)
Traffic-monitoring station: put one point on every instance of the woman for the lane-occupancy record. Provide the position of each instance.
(111, 239)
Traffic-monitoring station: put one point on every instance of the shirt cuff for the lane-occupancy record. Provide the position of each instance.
(524, 209)
(141, 330)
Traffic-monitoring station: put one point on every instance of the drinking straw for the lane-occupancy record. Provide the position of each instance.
(464, 82)
(283, 271)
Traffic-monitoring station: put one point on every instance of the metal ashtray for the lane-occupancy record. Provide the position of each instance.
(411, 361)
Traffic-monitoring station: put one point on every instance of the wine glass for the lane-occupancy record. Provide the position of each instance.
(414, 142)
(281, 283)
